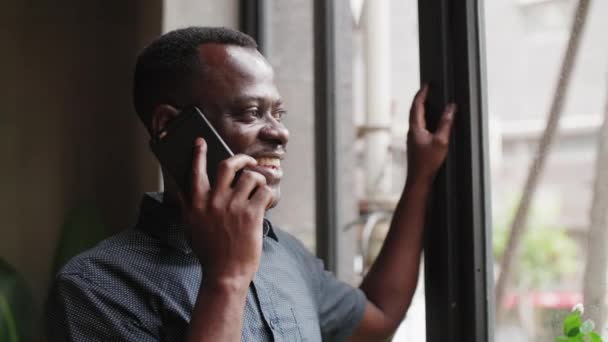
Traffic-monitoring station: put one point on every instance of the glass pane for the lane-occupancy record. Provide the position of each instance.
(289, 48)
(385, 79)
(559, 259)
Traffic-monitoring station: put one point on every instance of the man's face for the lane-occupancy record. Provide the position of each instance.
(238, 94)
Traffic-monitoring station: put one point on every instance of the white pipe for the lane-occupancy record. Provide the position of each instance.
(378, 97)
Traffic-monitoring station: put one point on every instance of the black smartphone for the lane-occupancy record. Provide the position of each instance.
(174, 147)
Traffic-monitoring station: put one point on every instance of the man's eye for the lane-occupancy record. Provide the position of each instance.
(279, 114)
(251, 112)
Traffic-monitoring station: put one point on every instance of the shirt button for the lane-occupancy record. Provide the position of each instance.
(273, 323)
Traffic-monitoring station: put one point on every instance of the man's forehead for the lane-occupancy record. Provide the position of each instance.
(230, 73)
(235, 61)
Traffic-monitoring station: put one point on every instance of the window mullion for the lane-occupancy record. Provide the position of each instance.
(458, 263)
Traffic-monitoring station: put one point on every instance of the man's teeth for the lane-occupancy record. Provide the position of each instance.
(269, 162)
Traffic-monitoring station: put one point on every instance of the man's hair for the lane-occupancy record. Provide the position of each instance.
(165, 69)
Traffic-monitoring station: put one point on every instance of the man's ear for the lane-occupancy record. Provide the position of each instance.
(161, 116)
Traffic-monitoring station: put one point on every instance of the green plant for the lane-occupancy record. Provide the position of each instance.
(15, 306)
(547, 253)
(575, 330)
(81, 230)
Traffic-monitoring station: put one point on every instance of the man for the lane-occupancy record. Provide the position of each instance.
(210, 267)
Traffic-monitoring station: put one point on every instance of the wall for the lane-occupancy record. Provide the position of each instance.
(182, 13)
(68, 132)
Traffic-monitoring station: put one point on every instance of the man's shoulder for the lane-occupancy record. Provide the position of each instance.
(288, 239)
(114, 253)
(109, 283)
(296, 247)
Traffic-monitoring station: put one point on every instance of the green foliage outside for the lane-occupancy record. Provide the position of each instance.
(575, 330)
(546, 254)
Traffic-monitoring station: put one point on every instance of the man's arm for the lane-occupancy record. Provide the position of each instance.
(218, 314)
(391, 281)
(225, 231)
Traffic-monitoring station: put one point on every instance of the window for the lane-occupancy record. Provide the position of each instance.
(557, 259)
(385, 78)
(541, 19)
(289, 48)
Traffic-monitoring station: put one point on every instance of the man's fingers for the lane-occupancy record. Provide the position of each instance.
(247, 183)
(417, 112)
(200, 180)
(228, 169)
(445, 125)
(262, 198)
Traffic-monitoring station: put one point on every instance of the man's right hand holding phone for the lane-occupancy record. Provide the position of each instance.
(225, 223)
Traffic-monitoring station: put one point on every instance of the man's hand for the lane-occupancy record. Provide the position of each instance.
(426, 150)
(225, 223)
(225, 230)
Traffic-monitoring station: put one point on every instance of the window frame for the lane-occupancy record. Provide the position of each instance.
(252, 20)
(459, 281)
(326, 198)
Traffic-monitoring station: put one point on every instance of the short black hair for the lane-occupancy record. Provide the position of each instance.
(166, 67)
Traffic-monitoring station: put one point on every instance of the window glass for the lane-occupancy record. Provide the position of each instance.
(558, 260)
(385, 79)
(289, 49)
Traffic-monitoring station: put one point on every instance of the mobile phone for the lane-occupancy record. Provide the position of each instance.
(174, 147)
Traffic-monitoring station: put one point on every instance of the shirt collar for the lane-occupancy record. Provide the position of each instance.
(165, 223)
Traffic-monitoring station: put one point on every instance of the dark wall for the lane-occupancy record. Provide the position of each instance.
(68, 131)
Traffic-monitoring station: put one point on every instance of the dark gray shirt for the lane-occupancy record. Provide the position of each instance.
(141, 285)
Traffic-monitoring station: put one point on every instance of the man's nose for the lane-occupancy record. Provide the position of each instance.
(276, 132)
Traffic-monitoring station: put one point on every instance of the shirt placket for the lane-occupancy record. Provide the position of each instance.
(267, 306)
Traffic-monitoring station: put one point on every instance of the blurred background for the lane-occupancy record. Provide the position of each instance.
(75, 158)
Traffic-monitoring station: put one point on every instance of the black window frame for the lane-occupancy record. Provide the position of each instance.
(459, 281)
(252, 20)
(325, 134)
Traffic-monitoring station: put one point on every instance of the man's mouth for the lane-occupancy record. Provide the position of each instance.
(270, 167)
(272, 163)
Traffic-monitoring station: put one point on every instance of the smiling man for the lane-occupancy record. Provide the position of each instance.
(210, 267)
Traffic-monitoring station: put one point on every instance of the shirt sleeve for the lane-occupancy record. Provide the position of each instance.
(78, 310)
(340, 306)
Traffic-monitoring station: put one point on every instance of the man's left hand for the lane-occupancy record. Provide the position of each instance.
(427, 151)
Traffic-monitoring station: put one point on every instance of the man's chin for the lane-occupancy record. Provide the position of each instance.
(276, 195)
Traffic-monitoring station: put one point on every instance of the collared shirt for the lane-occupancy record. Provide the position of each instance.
(142, 284)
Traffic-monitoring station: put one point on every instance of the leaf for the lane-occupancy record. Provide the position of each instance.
(572, 324)
(577, 338)
(587, 327)
(81, 230)
(594, 337)
(569, 339)
(15, 305)
(6, 315)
